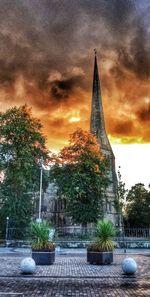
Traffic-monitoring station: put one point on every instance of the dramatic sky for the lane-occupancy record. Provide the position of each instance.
(46, 61)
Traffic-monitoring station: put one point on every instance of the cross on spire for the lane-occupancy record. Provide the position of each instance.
(95, 51)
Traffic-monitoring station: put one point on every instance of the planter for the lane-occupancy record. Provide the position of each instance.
(43, 257)
(100, 258)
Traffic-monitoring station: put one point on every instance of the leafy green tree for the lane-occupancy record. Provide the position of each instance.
(80, 173)
(21, 146)
(138, 206)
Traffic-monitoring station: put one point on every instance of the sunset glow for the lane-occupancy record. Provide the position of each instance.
(46, 61)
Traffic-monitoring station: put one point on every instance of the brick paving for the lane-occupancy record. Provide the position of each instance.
(73, 276)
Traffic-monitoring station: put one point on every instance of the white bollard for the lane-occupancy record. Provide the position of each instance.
(129, 266)
(28, 266)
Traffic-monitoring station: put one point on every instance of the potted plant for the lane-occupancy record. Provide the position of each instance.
(101, 251)
(43, 249)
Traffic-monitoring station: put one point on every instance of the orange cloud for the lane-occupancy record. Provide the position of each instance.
(47, 63)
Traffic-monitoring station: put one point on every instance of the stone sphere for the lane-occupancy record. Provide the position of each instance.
(129, 266)
(28, 266)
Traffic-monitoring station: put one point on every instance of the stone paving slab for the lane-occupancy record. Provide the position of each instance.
(3, 294)
(77, 287)
(70, 266)
(73, 276)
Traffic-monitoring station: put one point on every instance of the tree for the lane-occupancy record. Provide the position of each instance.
(138, 206)
(21, 146)
(80, 173)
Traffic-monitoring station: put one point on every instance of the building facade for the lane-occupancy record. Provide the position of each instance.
(97, 127)
(55, 211)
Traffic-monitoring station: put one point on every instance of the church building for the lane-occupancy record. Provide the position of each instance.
(55, 211)
(97, 127)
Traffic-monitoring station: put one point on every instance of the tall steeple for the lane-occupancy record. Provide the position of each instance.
(97, 125)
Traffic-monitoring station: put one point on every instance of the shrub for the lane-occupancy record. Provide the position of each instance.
(105, 232)
(40, 234)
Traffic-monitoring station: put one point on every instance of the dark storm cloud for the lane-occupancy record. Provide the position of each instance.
(126, 27)
(114, 12)
(136, 58)
(61, 89)
(36, 39)
(41, 37)
(144, 114)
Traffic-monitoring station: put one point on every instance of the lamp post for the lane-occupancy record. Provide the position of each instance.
(42, 167)
(40, 198)
(6, 235)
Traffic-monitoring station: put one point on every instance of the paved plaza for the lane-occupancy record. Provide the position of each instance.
(71, 275)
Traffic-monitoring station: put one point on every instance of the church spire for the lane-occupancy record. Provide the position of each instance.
(97, 125)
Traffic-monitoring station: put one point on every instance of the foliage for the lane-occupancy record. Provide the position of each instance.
(105, 230)
(138, 206)
(105, 233)
(40, 234)
(21, 146)
(80, 172)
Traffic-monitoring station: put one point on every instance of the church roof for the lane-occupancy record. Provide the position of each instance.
(97, 125)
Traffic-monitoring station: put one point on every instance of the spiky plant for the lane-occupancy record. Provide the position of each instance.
(40, 234)
(105, 233)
